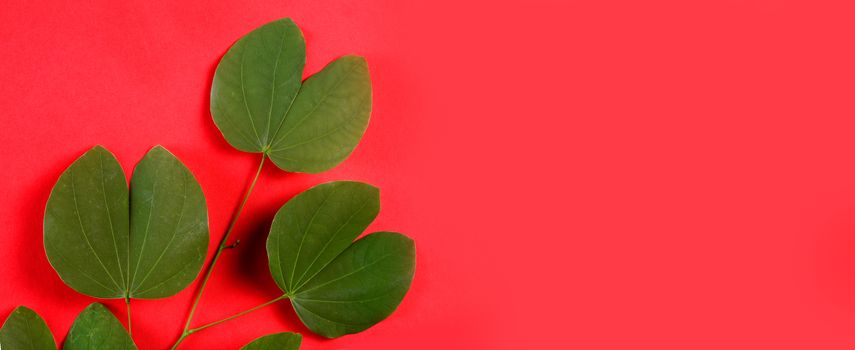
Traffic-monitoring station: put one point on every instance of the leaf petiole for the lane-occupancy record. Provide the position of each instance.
(188, 332)
(128, 303)
(239, 314)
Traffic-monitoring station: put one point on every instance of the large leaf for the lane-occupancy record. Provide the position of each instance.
(96, 328)
(336, 286)
(316, 226)
(103, 246)
(259, 105)
(361, 287)
(86, 226)
(278, 341)
(25, 329)
(169, 226)
(256, 82)
(327, 119)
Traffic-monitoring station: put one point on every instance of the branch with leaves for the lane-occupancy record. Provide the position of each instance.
(149, 240)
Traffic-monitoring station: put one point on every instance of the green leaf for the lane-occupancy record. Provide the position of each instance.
(336, 286)
(97, 328)
(256, 82)
(361, 287)
(25, 329)
(316, 226)
(278, 341)
(169, 226)
(104, 246)
(327, 119)
(86, 226)
(259, 105)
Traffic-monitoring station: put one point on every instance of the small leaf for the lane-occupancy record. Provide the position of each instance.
(104, 246)
(338, 287)
(278, 341)
(97, 328)
(260, 105)
(25, 329)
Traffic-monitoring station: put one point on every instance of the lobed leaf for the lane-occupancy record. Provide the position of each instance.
(105, 245)
(278, 341)
(97, 328)
(260, 105)
(25, 329)
(336, 286)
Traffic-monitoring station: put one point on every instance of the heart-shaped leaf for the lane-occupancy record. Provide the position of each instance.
(260, 105)
(25, 329)
(278, 341)
(97, 328)
(105, 246)
(338, 286)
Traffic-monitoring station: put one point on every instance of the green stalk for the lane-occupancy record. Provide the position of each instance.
(239, 314)
(187, 331)
(128, 303)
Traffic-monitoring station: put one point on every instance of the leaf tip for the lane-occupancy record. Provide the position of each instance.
(96, 306)
(354, 60)
(22, 308)
(98, 149)
(160, 150)
(287, 20)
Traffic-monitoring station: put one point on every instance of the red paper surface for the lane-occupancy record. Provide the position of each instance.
(581, 175)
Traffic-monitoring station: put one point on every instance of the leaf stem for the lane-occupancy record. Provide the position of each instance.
(239, 314)
(188, 332)
(128, 303)
(223, 245)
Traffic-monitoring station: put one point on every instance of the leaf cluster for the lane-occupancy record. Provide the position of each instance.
(148, 239)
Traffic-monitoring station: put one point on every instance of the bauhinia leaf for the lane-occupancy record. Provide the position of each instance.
(86, 226)
(316, 226)
(256, 82)
(25, 329)
(278, 341)
(105, 246)
(361, 287)
(336, 286)
(259, 104)
(169, 226)
(96, 328)
(327, 119)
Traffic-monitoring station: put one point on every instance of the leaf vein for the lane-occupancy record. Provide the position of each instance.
(174, 233)
(305, 233)
(147, 225)
(375, 262)
(243, 91)
(315, 107)
(300, 280)
(110, 219)
(85, 236)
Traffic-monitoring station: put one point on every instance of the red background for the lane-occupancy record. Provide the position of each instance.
(588, 175)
